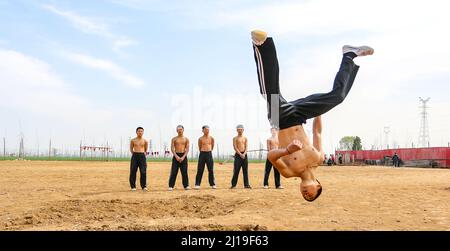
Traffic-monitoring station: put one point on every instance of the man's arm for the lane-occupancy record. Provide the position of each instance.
(200, 143)
(246, 148)
(186, 149)
(268, 145)
(274, 157)
(146, 147)
(131, 146)
(212, 144)
(172, 149)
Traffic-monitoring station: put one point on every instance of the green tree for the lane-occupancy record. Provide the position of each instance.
(346, 143)
(357, 144)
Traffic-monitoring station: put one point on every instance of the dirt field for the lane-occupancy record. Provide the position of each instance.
(37, 195)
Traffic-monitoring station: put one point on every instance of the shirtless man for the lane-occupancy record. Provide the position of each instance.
(138, 149)
(206, 146)
(296, 156)
(272, 143)
(180, 150)
(240, 158)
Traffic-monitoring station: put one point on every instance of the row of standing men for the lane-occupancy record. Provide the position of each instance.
(180, 149)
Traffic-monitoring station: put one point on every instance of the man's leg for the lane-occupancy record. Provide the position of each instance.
(133, 170)
(245, 172)
(276, 173)
(200, 169)
(268, 77)
(236, 170)
(210, 165)
(318, 104)
(267, 172)
(267, 67)
(143, 170)
(184, 172)
(173, 172)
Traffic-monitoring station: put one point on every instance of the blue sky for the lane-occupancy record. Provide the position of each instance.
(94, 70)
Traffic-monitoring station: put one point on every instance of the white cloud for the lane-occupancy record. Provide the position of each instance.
(31, 91)
(30, 84)
(93, 26)
(106, 66)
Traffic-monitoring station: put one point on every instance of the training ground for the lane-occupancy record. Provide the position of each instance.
(58, 195)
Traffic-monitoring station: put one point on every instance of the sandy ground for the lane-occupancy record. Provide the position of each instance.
(38, 195)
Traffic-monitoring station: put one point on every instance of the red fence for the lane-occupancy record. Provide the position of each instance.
(441, 155)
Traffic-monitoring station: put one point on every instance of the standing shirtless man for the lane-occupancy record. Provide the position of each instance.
(180, 150)
(206, 146)
(272, 143)
(240, 158)
(138, 149)
(296, 156)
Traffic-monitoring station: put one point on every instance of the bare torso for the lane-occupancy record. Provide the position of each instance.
(138, 145)
(272, 143)
(180, 144)
(205, 143)
(241, 143)
(300, 160)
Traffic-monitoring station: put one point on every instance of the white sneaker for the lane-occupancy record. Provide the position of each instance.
(266, 187)
(170, 188)
(280, 187)
(259, 37)
(187, 188)
(197, 187)
(145, 189)
(359, 51)
(133, 189)
(214, 187)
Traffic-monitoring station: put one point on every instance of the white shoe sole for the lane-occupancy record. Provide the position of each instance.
(358, 50)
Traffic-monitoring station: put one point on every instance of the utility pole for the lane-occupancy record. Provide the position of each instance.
(387, 129)
(50, 149)
(121, 150)
(4, 148)
(217, 148)
(21, 148)
(424, 136)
